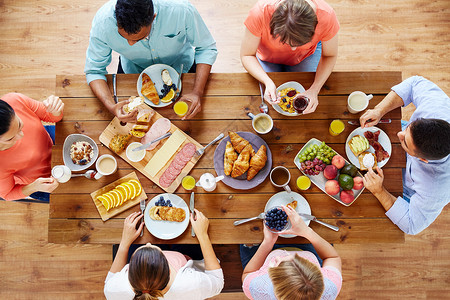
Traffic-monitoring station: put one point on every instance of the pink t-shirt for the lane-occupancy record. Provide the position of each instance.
(272, 50)
(257, 285)
(175, 259)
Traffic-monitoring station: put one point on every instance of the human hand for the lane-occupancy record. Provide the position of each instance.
(370, 118)
(270, 94)
(374, 182)
(298, 225)
(42, 184)
(54, 105)
(130, 233)
(269, 236)
(200, 223)
(117, 110)
(194, 103)
(313, 100)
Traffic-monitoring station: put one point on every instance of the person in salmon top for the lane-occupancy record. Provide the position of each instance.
(290, 36)
(26, 146)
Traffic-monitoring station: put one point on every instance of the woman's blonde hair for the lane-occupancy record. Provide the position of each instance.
(148, 273)
(297, 279)
(294, 22)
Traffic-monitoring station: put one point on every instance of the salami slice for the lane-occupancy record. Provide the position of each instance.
(164, 182)
(189, 150)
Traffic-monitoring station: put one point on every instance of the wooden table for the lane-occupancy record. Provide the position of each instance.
(228, 97)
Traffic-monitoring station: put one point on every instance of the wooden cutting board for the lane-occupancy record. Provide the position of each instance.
(106, 215)
(116, 128)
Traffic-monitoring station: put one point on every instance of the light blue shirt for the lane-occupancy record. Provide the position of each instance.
(178, 35)
(427, 185)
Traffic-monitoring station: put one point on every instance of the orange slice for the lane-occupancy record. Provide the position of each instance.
(104, 201)
(116, 196)
(132, 188)
(124, 191)
(110, 199)
(129, 190)
(170, 95)
(137, 185)
(123, 195)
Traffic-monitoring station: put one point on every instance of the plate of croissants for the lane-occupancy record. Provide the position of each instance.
(244, 159)
(157, 85)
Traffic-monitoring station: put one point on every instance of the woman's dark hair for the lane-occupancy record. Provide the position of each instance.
(6, 116)
(431, 138)
(148, 273)
(133, 15)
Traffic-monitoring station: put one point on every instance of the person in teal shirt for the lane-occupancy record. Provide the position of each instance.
(146, 32)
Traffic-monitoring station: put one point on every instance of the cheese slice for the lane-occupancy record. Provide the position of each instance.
(165, 153)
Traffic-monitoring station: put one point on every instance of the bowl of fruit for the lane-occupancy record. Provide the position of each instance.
(277, 220)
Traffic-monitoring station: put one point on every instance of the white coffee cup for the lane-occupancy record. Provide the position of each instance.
(61, 173)
(105, 165)
(262, 123)
(283, 174)
(358, 101)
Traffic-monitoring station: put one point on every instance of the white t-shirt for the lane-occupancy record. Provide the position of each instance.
(191, 282)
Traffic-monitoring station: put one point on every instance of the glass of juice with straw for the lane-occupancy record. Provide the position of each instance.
(336, 127)
(180, 108)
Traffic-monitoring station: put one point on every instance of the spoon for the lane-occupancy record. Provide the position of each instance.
(89, 174)
(263, 106)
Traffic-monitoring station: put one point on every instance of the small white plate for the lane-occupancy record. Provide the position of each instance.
(72, 138)
(290, 84)
(284, 198)
(166, 230)
(382, 138)
(154, 72)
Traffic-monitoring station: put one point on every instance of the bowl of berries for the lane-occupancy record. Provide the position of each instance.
(277, 220)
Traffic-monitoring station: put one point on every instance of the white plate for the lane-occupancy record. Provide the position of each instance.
(320, 180)
(284, 198)
(72, 138)
(382, 138)
(289, 84)
(166, 230)
(154, 72)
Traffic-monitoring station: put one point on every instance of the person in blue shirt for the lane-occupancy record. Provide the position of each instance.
(146, 32)
(426, 140)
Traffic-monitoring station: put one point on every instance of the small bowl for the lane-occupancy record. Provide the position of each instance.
(70, 139)
(286, 227)
(136, 156)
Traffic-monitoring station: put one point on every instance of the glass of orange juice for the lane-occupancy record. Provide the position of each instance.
(303, 183)
(188, 182)
(180, 108)
(336, 127)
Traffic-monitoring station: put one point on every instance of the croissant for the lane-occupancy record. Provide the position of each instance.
(230, 158)
(242, 164)
(257, 162)
(239, 142)
(148, 89)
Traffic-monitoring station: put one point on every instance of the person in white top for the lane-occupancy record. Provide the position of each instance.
(150, 275)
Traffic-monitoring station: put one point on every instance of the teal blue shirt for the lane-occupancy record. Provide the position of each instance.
(178, 36)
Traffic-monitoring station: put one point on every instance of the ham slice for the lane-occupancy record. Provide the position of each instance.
(380, 153)
(159, 128)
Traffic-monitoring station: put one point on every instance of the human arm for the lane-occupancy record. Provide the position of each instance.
(324, 69)
(261, 254)
(9, 190)
(49, 110)
(325, 250)
(200, 225)
(194, 97)
(129, 234)
(372, 116)
(374, 183)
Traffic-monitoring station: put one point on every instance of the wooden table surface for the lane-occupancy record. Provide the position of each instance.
(73, 217)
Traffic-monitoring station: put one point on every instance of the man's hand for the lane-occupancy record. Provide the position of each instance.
(374, 182)
(130, 233)
(194, 103)
(313, 100)
(270, 94)
(117, 110)
(370, 118)
(54, 105)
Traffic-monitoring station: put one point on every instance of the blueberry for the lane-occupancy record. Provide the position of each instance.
(161, 96)
(173, 86)
(168, 201)
(161, 198)
(288, 106)
(284, 100)
(165, 86)
(170, 205)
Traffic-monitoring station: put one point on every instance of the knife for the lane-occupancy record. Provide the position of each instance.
(356, 123)
(142, 207)
(148, 144)
(191, 207)
(312, 218)
(115, 88)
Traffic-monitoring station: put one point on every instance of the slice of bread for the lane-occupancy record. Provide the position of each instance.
(361, 158)
(358, 144)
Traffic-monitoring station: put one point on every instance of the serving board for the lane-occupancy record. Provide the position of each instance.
(115, 127)
(105, 215)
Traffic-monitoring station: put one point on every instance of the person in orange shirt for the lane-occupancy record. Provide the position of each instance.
(290, 36)
(25, 145)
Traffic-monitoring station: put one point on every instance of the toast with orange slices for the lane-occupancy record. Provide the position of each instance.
(122, 193)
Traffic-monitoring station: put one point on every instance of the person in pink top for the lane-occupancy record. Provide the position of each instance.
(25, 145)
(290, 273)
(290, 36)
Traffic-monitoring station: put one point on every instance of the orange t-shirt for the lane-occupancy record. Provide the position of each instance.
(30, 157)
(272, 50)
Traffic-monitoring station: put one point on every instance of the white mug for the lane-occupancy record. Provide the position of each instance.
(61, 173)
(103, 172)
(358, 101)
(285, 184)
(257, 122)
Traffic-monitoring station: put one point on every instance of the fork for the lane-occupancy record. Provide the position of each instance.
(239, 222)
(200, 151)
(178, 83)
